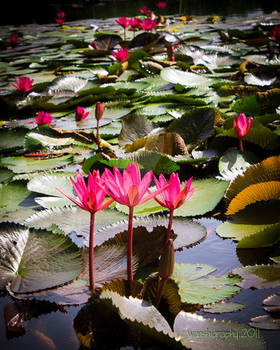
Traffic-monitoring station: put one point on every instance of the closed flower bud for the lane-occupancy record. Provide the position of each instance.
(166, 263)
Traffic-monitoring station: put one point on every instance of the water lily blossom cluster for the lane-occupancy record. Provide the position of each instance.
(134, 22)
(90, 198)
(60, 18)
(24, 84)
(129, 189)
(121, 55)
(80, 114)
(242, 127)
(172, 197)
(126, 188)
(43, 118)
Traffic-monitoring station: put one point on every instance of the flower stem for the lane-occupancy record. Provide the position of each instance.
(160, 292)
(241, 145)
(98, 138)
(91, 253)
(129, 245)
(168, 232)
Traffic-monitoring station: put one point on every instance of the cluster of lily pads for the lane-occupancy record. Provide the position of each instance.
(171, 107)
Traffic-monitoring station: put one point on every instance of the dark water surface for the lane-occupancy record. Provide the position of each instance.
(43, 11)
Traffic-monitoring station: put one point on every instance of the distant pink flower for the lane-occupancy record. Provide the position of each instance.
(129, 189)
(121, 55)
(90, 198)
(242, 127)
(145, 10)
(148, 24)
(161, 4)
(134, 22)
(123, 21)
(61, 18)
(275, 34)
(172, 197)
(43, 118)
(80, 114)
(14, 39)
(24, 84)
(99, 110)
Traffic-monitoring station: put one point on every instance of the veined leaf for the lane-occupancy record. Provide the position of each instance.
(36, 260)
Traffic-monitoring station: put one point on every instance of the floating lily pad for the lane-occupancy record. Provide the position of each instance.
(259, 276)
(36, 260)
(12, 139)
(194, 290)
(222, 307)
(265, 322)
(27, 165)
(13, 194)
(198, 333)
(75, 220)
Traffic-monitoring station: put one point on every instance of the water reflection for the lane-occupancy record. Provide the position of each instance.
(45, 12)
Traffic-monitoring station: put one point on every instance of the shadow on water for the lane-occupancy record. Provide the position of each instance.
(43, 12)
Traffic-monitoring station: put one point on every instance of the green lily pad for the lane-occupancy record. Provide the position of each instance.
(222, 307)
(48, 185)
(234, 163)
(12, 139)
(194, 290)
(12, 194)
(74, 220)
(27, 165)
(198, 333)
(206, 196)
(259, 276)
(36, 260)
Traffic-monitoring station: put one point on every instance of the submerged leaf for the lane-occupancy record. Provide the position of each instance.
(222, 307)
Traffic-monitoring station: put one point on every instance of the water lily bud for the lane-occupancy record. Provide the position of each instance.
(166, 263)
(99, 110)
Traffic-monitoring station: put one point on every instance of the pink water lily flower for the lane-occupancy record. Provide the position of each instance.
(24, 84)
(275, 33)
(43, 118)
(145, 10)
(134, 22)
(173, 197)
(242, 127)
(123, 21)
(129, 189)
(90, 198)
(61, 18)
(80, 114)
(121, 55)
(14, 39)
(161, 4)
(148, 24)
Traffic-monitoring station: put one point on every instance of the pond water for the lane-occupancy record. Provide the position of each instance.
(45, 11)
(53, 328)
